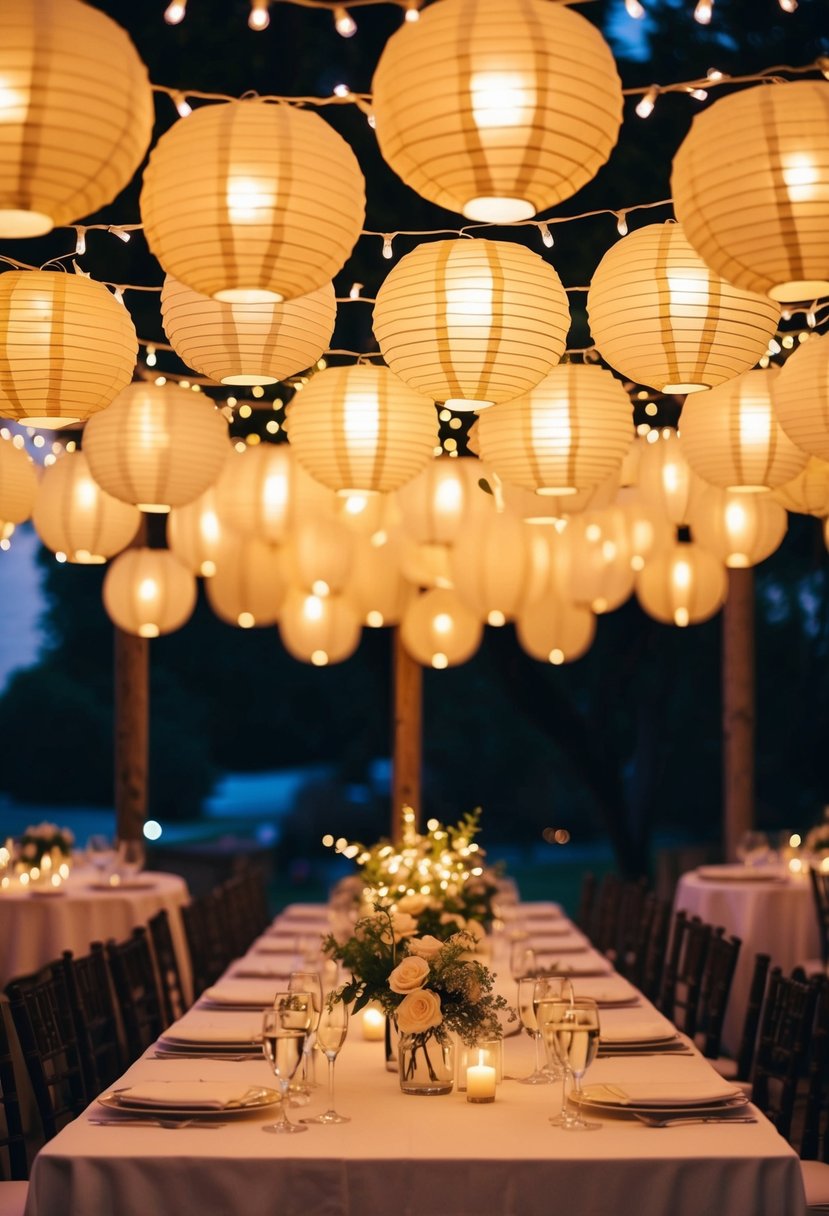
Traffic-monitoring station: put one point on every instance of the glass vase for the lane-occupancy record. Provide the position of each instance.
(426, 1063)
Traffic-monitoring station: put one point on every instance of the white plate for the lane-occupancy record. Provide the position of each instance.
(654, 1095)
(735, 1105)
(126, 884)
(740, 874)
(260, 1099)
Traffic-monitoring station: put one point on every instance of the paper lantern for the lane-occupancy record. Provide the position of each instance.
(555, 630)
(569, 433)
(471, 323)
(682, 585)
(361, 429)
(18, 483)
(264, 490)
(497, 110)
(437, 503)
(69, 346)
(369, 515)
(76, 113)
(750, 185)
(439, 630)
(498, 567)
(247, 343)
(553, 508)
(196, 534)
(731, 436)
(663, 318)
(318, 629)
(320, 554)
(646, 527)
(250, 582)
(148, 592)
(808, 493)
(74, 517)
(739, 529)
(665, 480)
(601, 573)
(376, 588)
(250, 202)
(800, 392)
(423, 565)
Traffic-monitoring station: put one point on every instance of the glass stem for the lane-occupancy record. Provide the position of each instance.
(331, 1060)
(537, 1041)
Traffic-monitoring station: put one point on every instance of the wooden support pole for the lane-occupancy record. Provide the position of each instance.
(739, 714)
(132, 730)
(408, 736)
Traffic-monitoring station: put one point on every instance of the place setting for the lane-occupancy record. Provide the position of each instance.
(174, 1104)
(658, 1103)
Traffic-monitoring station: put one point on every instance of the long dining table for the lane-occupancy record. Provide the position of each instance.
(405, 1155)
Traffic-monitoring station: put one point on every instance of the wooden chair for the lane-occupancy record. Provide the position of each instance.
(166, 959)
(13, 1157)
(96, 1020)
(783, 1045)
(587, 898)
(715, 988)
(739, 1069)
(136, 990)
(820, 892)
(203, 921)
(604, 922)
(632, 926)
(689, 949)
(650, 966)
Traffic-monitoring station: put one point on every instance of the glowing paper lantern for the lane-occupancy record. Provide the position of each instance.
(250, 202)
(732, 438)
(148, 592)
(601, 572)
(361, 429)
(440, 631)
(471, 323)
(376, 587)
(497, 110)
(800, 393)
(18, 483)
(158, 446)
(250, 583)
(247, 343)
(808, 493)
(498, 567)
(682, 585)
(423, 565)
(662, 317)
(436, 504)
(320, 553)
(318, 629)
(750, 185)
(740, 529)
(69, 346)
(264, 490)
(555, 630)
(647, 528)
(370, 515)
(76, 113)
(569, 433)
(74, 517)
(665, 480)
(196, 534)
(551, 509)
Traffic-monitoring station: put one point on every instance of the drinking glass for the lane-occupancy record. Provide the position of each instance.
(310, 982)
(550, 988)
(296, 1010)
(521, 960)
(571, 1027)
(130, 858)
(526, 1011)
(331, 1032)
(753, 849)
(100, 852)
(283, 1051)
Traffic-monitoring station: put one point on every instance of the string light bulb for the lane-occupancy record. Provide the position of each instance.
(388, 252)
(412, 12)
(704, 12)
(80, 243)
(546, 236)
(788, 6)
(151, 359)
(621, 223)
(344, 23)
(259, 18)
(181, 103)
(634, 9)
(644, 107)
(175, 12)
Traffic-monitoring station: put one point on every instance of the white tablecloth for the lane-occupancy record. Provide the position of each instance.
(418, 1156)
(774, 917)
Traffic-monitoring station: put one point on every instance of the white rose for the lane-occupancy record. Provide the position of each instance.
(425, 947)
(419, 1011)
(452, 918)
(415, 905)
(475, 929)
(403, 925)
(409, 975)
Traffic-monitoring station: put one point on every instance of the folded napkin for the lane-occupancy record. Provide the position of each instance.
(732, 873)
(261, 971)
(610, 988)
(189, 1095)
(663, 1093)
(274, 945)
(638, 1032)
(566, 966)
(258, 993)
(221, 1028)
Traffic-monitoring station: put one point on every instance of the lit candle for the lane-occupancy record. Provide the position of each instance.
(374, 1024)
(480, 1081)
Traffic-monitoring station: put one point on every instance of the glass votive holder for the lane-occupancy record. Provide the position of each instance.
(485, 1053)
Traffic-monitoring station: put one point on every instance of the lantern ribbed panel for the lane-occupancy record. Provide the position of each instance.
(361, 428)
(682, 585)
(569, 433)
(377, 589)
(247, 343)
(739, 529)
(471, 323)
(436, 504)
(67, 347)
(665, 480)
(750, 185)
(439, 630)
(321, 551)
(318, 629)
(157, 446)
(546, 508)
(661, 317)
(250, 201)
(555, 630)
(77, 113)
(808, 493)
(148, 592)
(249, 584)
(498, 567)
(264, 490)
(731, 436)
(18, 483)
(74, 516)
(196, 534)
(497, 109)
(600, 572)
(800, 393)
(647, 528)
(370, 515)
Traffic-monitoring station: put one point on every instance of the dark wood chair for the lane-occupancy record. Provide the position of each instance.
(13, 1157)
(604, 921)
(680, 1000)
(204, 929)
(169, 974)
(92, 1002)
(739, 1068)
(783, 1044)
(631, 927)
(820, 891)
(136, 990)
(587, 897)
(715, 988)
(650, 966)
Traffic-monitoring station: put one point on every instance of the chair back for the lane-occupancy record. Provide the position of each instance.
(169, 975)
(650, 967)
(782, 1047)
(715, 988)
(820, 893)
(13, 1160)
(814, 1141)
(92, 1001)
(604, 922)
(682, 1005)
(633, 915)
(136, 990)
(587, 897)
(751, 1022)
(204, 929)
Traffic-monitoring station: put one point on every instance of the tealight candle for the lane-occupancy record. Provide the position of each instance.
(374, 1024)
(480, 1081)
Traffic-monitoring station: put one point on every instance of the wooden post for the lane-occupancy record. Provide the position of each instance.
(738, 695)
(408, 741)
(132, 729)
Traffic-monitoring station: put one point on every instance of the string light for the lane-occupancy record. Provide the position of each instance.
(80, 242)
(181, 103)
(621, 223)
(811, 316)
(121, 233)
(704, 11)
(412, 12)
(698, 94)
(644, 107)
(634, 9)
(344, 23)
(546, 236)
(354, 293)
(788, 6)
(175, 12)
(342, 90)
(152, 358)
(823, 64)
(388, 252)
(715, 75)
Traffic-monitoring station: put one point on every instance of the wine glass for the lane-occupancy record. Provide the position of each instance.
(130, 859)
(297, 1012)
(521, 960)
(331, 1032)
(572, 1029)
(310, 982)
(550, 988)
(526, 1011)
(100, 852)
(282, 1046)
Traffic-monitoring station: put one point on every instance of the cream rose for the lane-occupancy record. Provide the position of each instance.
(415, 905)
(425, 947)
(409, 975)
(452, 918)
(419, 1011)
(403, 925)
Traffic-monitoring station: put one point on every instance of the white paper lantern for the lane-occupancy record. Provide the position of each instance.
(440, 631)
(555, 630)
(647, 528)
(665, 480)
(436, 505)
(601, 573)
(808, 493)
(320, 555)
(423, 565)
(376, 586)
(682, 585)
(739, 529)
(498, 567)
(800, 392)
(148, 592)
(18, 483)
(250, 582)
(318, 629)
(74, 517)
(196, 534)
(264, 490)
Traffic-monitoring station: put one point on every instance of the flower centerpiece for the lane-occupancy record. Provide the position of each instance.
(45, 840)
(429, 988)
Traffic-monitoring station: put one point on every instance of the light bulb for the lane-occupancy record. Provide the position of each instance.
(174, 13)
(182, 104)
(80, 243)
(644, 107)
(388, 252)
(621, 223)
(788, 6)
(546, 235)
(704, 11)
(344, 23)
(634, 9)
(259, 18)
(412, 11)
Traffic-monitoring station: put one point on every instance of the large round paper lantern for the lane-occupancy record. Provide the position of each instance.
(423, 565)
(808, 493)
(471, 323)
(731, 436)
(682, 585)
(553, 508)
(18, 483)
(663, 318)
(320, 554)
(800, 392)
(250, 582)
(250, 202)
(73, 516)
(158, 446)
(76, 113)
(498, 567)
(148, 592)
(569, 433)
(740, 529)
(69, 346)
(247, 343)
(197, 533)
(601, 573)
(665, 480)
(750, 185)
(318, 629)
(556, 631)
(361, 428)
(647, 528)
(495, 109)
(439, 630)
(263, 491)
(376, 586)
(436, 504)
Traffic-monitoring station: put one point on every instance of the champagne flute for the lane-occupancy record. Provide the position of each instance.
(283, 1051)
(331, 1032)
(521, 960)
(296, 1010)
(526, 1011)
(310, 982)
(550, 988)
(573, 1027)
